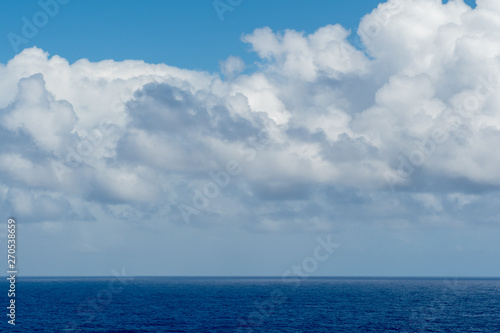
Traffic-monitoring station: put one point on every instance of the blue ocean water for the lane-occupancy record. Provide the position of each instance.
(143, 304)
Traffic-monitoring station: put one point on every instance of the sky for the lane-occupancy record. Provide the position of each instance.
(251, 138)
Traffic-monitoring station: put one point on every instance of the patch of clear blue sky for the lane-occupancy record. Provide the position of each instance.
(182, 33)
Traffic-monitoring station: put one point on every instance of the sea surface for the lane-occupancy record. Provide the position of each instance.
(145, 304)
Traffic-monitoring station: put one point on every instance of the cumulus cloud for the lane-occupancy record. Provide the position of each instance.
(321, 134)
(49, 122)
(232, 66)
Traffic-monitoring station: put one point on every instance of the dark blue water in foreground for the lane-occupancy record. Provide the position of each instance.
(254, 305)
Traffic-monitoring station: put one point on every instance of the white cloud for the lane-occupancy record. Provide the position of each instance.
(49, 122)
(306, 57)
(317, 122)
(232, 66)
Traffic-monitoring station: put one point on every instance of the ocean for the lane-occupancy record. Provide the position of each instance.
(187, 304)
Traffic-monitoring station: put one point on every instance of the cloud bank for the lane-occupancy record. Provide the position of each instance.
(401, 132)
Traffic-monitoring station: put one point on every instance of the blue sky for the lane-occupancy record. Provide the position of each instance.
(190, 145)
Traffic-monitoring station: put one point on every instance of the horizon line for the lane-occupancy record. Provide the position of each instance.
(269, 276)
